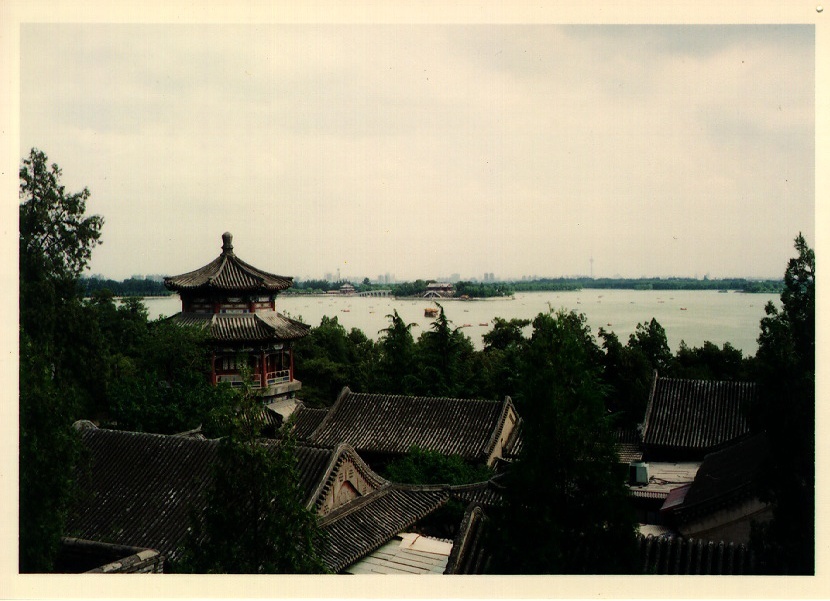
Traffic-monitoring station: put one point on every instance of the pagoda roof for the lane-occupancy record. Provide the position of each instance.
(228, 273)
(231, 327)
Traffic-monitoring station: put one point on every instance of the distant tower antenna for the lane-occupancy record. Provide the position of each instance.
(592, 267)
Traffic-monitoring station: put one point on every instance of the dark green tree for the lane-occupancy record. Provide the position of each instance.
(628, 373)
(566, 509)
(56, 239)
(786, 411)
(499, 366)
(49, 450)
(444, 356)
(420, 466)
(650, 339)
(710, 362)
(255, 521)
(332, 358)
(396, 366)
(505, 333)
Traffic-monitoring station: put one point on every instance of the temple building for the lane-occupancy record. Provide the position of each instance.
(235, 303)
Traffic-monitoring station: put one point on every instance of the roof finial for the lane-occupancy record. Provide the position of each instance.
(227, 243)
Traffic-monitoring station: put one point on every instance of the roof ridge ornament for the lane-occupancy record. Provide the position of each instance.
(227, 243)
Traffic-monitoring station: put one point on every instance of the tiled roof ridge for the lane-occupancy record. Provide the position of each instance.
(393, 424)
(338, 560)
(649, 407)
(171, 279)
(223, 262)
(473, 486)
(468, 537)
(734, 490)
(342, 452)
(96, 431)
(687, 413)
(711, 382)
(259, 325)
(678, 555)
(345, 392)
(205, 275)
(426, 397)
(507, 404)
(344, 510)
(293, 321)
(385, 489)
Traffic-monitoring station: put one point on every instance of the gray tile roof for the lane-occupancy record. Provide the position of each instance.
(260, 326)
(629, 447)
(469, 554)
(693, 417)
(486, 494)
(364, 525)
(229, 273)
(680, 556)
(392, 424)
(306, 420)
(725, 477)
(140, 487)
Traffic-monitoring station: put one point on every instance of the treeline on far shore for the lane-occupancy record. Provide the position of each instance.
(150, 287)
(130, 287)
(507, 288)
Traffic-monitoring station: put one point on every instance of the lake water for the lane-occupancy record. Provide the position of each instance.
(693, 316)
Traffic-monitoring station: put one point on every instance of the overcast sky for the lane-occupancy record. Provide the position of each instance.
(422, 151)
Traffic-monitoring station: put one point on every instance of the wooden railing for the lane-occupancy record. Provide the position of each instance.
(275, 377)
(271, 378)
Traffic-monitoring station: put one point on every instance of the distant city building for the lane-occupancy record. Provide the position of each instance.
(235, 303)
(152, 278)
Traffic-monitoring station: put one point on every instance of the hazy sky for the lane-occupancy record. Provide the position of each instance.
(423, 151)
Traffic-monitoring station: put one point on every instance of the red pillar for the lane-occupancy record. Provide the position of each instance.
(262, 373)
(290, 364)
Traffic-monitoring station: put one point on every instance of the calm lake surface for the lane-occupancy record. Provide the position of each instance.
(692, 316)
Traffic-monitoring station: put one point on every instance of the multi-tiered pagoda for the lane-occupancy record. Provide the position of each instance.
(235, 303)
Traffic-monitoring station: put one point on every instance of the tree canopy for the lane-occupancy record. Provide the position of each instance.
(255, 521)
(56, 239)
(786, 411)
(566, 508)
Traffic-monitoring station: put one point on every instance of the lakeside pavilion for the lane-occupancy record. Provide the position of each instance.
(236, 303)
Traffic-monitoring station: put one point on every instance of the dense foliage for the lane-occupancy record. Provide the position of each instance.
(556, 284)
(332, 358)
(472, 289)
(786, 412)
(129, 287)
(55, 242)
(421, 466)
(566, 506)
(480, 290)
(255, 521)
